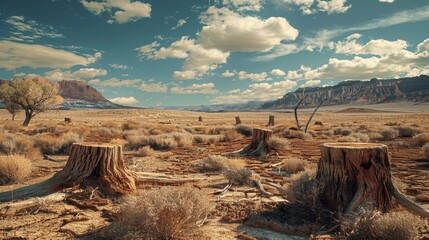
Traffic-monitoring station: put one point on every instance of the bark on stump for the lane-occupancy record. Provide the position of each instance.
(354, 174)
(271, 121)
(200, 119)
(237, 120)
(258, 147)
(92, 164)
(67, 120)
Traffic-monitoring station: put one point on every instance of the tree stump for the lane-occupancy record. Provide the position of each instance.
(88, 164)
(67, 120)
(271, 121)
(354, 174)
(200, 119)
(237, 120)
(258, 147)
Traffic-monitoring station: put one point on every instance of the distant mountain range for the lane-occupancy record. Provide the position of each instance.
(374, 91)
(77, 94)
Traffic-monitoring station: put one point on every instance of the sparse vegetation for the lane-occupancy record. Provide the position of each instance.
(165, 213)
(355, 137)
(51, 144)
(303, 189)
(343, 131)
(297, 134)
(278, 143)
(293, 165)
(372, 224)
(421, 139)
(14, 168)
(213, 163)
(145, 151)
(244, 130)
(408, 131)
(238, 175)
(389, 134)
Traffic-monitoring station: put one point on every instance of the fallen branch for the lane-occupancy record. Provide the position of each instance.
(224, 190)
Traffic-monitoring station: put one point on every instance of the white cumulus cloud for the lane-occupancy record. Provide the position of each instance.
(278, 72)
(153, 87)
(115, 82)
(243, 75)
(205, 88)
(15, 55)
(124, 100)
(123, 10)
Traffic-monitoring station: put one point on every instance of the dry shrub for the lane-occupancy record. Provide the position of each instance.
(145, 151)
(14, 168)
(244, 130)
(425, 150)
(229, 135)
(408, 131)
(213, 163)
(297, 134)
(163, 142)
(303, 189)
(389, 133)
(11, 126)
(50, 144)
(183, 139)
(130, 125)
(137, 141)
(355, 137)
(111, 125)
(212, 139)
(371, 224)
(238, 175)
(313, 133)
(343, 131)
(278, 143)
(15, 144)
(119, 141)
(293, 165)
(421, 139)
(158, 214)
(162, 128)
(374, 135)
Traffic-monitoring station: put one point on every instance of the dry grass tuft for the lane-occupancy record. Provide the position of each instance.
(162, 128)
(372, 224)
(207, 139)
(303, 189)
(355, 137)
(343, 131)
(244, 130)
(145, 151)
(293, 165)
(278, 143)
(238, 175)
(408, 131)
(183, 139)
(297, 134)
(130, 125)
(229, 135)
(165, 213)
(14, 144)
(389, 133)
(425, 150)
(50, 144)
(14, 168)
(213, 163)
(421, 139)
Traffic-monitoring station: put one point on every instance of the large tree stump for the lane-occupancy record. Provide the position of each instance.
(93, 164)
(237, 120)
(258, 147)
(354, 174)
(271, 121)
(200, 119)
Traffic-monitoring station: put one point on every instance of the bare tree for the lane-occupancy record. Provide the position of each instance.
(33, 95)
(298, 126)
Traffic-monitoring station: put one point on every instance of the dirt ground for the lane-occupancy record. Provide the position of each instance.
(66, 220)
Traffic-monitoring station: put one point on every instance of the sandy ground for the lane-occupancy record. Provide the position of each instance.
(67, 221)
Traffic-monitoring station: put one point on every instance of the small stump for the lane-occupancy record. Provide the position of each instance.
(200, 119)
(353, 174)
(258, 147)
(237, 120)
(67, 120)
(271, 121)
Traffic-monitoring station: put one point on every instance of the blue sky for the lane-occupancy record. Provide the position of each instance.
(193, 52)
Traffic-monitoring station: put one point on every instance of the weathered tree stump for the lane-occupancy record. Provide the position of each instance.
(271, 121)
(354, 174)
(88, 164)
(237, 120)
(258, 147)
(200, 119)
(67, 120)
